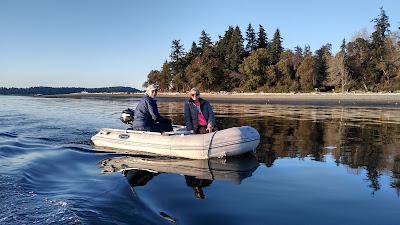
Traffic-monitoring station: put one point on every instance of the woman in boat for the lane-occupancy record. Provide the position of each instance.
(199, 115)
(147, 117)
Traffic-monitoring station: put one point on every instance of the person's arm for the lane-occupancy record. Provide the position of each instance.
(211, 118)
(188, 117)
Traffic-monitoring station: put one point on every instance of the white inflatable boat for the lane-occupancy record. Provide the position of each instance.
(181, 143)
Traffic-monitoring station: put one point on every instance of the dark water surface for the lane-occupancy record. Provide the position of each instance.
(314, 165)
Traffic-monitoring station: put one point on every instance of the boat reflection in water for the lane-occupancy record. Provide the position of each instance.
(198, 173)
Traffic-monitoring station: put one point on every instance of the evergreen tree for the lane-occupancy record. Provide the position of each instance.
(165, 77)
(378, 39)
(298, 51)
(370, 62)
(152, 78)
(223, 45)
(262, 41)
(251, 40)
(230, 48)
(206, 71)
(381, 31)
(343, 46)
(254, 68)
(286, 72)
(390, 66)
(361, 68)
(321, 59)
(205, 41)
(298, 57)
(177, 63)
(275, 47)
(194, 50)
(177, 52)
(235, 52)
(193, 53)
(307, 50)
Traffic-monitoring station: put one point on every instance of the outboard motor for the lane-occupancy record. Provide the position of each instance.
(127, 116)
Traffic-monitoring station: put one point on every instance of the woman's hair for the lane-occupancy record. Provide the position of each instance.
(194, 90)
(150, 88)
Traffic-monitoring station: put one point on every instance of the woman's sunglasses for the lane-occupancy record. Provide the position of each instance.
(194, 94)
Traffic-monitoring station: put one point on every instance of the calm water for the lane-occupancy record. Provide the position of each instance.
(315, 165)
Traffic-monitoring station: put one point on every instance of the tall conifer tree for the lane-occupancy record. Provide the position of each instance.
(275, 47)
(205, 41)
(236, 50)
(177, 66)
(262, 41)
(251, 39)
(381, 30)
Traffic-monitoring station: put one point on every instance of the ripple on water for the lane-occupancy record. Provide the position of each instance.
(26, 207)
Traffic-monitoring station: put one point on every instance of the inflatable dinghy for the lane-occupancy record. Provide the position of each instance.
(179, 142)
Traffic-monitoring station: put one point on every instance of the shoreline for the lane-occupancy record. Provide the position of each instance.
(313, 99)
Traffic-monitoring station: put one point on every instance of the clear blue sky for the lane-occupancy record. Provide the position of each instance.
(95, 43)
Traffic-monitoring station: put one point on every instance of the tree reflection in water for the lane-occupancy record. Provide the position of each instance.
(360, 138)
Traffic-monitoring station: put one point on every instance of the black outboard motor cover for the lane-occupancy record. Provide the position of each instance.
(127, 116)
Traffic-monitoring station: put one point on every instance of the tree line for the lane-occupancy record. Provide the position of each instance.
(254, 63)
(62, 90)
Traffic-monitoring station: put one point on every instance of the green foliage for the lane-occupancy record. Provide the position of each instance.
(287, 68)
(152, 78)
(230, 48)
(306, 73)
(206, 72)
(359, 56)
(204, 41)
(254, 68)
(262, 41)
(165, 77)
(381, 32)
(177, 65)
(321, 59)
(275, 47)
(251, 40)
(369, 64)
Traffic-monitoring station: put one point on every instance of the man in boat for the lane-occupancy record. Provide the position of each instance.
(199, 115)
(147, 117)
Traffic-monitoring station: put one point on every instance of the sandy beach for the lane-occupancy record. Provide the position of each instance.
(318, 99)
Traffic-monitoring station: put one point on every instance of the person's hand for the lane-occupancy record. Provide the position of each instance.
(209, 128)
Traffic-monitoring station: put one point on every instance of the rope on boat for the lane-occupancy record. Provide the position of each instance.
(209, 145)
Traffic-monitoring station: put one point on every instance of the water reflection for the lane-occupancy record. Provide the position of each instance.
(198, 174)
(359, 138)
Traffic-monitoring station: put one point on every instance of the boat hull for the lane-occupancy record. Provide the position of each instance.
(228, 142)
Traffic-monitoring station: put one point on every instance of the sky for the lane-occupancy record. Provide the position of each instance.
(101, 43)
